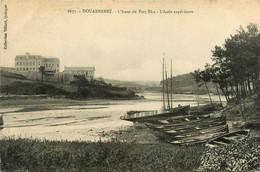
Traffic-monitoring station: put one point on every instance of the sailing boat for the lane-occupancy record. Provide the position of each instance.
(166, 112)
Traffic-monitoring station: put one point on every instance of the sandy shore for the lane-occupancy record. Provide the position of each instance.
(88, 120)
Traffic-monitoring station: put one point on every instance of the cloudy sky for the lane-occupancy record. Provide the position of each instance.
(123, 46)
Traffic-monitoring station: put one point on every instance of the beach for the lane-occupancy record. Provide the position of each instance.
(88, 120)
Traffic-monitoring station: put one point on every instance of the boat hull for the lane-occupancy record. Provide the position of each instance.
(145, 116)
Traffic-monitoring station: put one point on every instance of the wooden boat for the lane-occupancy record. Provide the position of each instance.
(193, 128)
(172, 132)
(198, 139)
(189, 131)
(181, 119)
(144, 116)
(178, 119)
(197, 132)
(187, 124)
(229, 138)
(202, 125)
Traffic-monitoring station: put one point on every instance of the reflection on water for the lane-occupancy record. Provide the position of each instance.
(83, 122)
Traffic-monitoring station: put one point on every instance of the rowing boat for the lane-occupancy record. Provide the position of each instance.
(229, 138)
(187, 124)
(144, 116)
(199, 131)
(197, 139)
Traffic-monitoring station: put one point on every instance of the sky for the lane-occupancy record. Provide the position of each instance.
(123, 46)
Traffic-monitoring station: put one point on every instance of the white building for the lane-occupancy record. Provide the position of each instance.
(32, 62)
(88, 72)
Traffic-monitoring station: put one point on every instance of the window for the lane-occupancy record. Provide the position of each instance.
(30, 63)
(27, 64)
(24, 63)
(21, 63)
(33, 68)
(57, 65)
(17, 63)
(33, 62)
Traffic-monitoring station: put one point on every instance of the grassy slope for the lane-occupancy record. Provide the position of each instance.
(17, 84)
(89, 156)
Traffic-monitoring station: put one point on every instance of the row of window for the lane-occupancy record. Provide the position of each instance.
(30, 69)
(50, 65)
(32, 63)
(28, 63)
(24, 57)
(27, 68)
(87, 73)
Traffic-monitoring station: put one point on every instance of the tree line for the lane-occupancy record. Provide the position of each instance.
(236, 65)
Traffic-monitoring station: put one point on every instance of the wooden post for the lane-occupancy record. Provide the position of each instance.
(171, 84)
(167, 89)
(163, 86)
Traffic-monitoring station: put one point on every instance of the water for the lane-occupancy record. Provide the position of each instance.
(87, 122)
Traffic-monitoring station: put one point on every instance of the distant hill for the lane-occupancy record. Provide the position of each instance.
(132, 84)
(186, 84)
(181, 84)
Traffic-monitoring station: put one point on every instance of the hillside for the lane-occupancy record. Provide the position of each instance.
(181, 84)
(132, 84)
(186, 84)
(16, 84)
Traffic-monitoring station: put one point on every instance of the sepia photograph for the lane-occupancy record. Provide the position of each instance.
(130, 85)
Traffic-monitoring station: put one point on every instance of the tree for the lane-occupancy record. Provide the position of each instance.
(42, 71)
(82, 84)
(203, 77)
(238, 60)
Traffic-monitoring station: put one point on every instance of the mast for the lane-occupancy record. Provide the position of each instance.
(171, 83)
(167, 89)
(163, 85)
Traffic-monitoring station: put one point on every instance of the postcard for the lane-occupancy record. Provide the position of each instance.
(129, 85)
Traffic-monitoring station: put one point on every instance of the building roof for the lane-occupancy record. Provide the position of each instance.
(79, 69)
(53, 59)
(30, 57)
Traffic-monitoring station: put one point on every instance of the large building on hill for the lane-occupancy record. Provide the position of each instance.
(88, 72)
(32, 62)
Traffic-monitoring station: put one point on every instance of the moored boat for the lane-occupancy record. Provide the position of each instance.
(198, 139)
(229, 138)
(187, 124)
(200, 131)
(144, 116)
